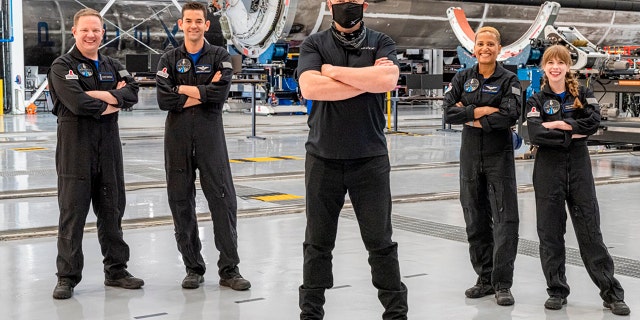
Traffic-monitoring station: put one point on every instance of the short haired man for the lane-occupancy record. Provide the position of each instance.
(192, 84)
(88, 89)
(345, 70)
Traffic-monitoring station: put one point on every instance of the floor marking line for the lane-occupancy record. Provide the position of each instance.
(151, 315)
(249, 300)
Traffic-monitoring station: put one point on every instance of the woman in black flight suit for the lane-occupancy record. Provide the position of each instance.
(559, 119)
(486, 99)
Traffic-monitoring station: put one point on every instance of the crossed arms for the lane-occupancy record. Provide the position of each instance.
(107, 97)
(335, 83)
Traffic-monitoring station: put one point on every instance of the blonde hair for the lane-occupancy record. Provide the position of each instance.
(561, 53)
(491, 30)
(86, 12)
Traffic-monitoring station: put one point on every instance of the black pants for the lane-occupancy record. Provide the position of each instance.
(560, 176)
(367, 182)
(488, 195)
(89, 167)
(197, 142)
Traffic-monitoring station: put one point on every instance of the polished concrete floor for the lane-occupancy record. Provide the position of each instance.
(428, 226)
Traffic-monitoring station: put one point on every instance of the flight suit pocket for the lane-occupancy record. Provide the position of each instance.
(503, 202)
(215, 182)
(178, 182)
(496, 200)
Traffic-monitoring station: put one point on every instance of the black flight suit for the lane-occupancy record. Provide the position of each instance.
(194, 139)
(488, 191)
(89, 160)
(562, 172)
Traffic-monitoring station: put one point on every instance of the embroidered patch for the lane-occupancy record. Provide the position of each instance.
(227, 65)
(449, 87)
(533, 113)
(568, 107)
(592, 101)
(123, 73)
(85, 70)
(203, 68)
(516, 91)
(490, 89)
(106, 77)
(162, 73)
(551, 107)
(471, 85)
(71, 76)
(183, 65)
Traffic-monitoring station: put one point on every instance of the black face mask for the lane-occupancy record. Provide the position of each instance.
(347, 14)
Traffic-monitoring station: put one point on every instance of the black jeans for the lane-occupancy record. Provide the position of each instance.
(488, 195)
(89, 166)
(559, 176)
(367, 182)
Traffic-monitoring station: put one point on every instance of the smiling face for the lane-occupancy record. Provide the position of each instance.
(556, 62)
(487, 47)
(194, 24)
(555, 70)
(88, 33)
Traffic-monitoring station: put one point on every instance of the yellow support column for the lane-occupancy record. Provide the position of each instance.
(1, 97)
(389, 110)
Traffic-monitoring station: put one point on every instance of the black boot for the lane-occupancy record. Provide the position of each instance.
(394, 303)
(311, 303)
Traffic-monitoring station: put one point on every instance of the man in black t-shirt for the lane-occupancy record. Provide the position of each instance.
(346, 70)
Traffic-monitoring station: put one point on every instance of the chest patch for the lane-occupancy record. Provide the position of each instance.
(183, 65)
(203, 68)
(106, 77)
(490, 89)
(471, 85)
(568, 107)
(85, 70)
(551, 107)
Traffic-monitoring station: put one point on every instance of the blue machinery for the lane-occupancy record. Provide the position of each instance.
(279, 92)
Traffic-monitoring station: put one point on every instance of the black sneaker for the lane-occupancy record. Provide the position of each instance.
(618, 307)
(192, 280)
(64, 289)
(504, 297)
(236, 283)
(480, 290)
(555, 303)
(127, 282)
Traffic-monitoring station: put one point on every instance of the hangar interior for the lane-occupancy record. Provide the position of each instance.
(266, 130)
